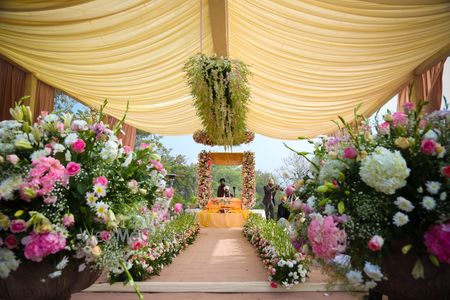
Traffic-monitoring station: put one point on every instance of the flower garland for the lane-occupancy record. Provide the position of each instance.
(204, 178)
(248, 180)
(148, 256)
(284, 264)
(201, 137)
(221, 93)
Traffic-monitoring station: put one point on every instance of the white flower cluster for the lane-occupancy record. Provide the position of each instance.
(332, 169)
(110, 151)
(384, 170)
(8, 262)
(8, 186)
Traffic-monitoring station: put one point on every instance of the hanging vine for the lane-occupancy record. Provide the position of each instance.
(221, 93)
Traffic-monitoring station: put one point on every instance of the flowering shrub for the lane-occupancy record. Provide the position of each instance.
(68, 188)
(371, 186)
(248, 180)
(284, 264)
(147, 258)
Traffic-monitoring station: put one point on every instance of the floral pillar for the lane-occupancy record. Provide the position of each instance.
(204, 178)
(248, 180)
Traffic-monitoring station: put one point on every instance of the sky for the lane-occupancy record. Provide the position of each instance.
(269, 152)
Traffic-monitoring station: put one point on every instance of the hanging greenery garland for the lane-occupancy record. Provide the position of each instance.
(201, 137)
(221, 93)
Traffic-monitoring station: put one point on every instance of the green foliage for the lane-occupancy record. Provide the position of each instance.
(232, 175)
(220, 90)
(64, 103)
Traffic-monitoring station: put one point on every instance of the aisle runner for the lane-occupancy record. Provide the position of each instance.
(220, 260)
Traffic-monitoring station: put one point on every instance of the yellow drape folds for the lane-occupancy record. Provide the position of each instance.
(311, 59)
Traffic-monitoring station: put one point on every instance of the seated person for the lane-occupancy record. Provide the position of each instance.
(283, 212)
(227, 192)
(220, 189)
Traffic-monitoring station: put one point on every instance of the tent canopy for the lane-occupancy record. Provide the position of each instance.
(311, 59)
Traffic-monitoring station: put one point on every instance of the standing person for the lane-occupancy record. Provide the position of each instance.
(269, 199)
(221, 188)
(283, 212)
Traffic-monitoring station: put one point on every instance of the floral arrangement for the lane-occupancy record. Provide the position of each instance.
(69, 189)
(201, 137)
(248, 180)
(204, 179)
(285, 265)
(220, 90)
(148, 256)
(378, 192)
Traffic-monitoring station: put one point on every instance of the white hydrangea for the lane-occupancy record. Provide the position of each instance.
(331, 170)
(79, 125)
(404, 204)
(329, 209)
(433, 187)
(8, 186)
(311, 202)
(373, 271)
(384, 170)
(428, 203)
(354, 277)
(70, 138)
(8, 262)
(110, 151)
(40, 153)
(58, 148)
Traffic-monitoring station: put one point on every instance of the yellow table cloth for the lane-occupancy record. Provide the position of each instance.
(207, 218)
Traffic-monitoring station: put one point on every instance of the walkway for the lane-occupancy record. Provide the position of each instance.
(218, 258)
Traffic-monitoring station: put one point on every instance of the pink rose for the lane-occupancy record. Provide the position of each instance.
(273, 285)
(428, 146)
(127, 149)
(11, 241)
(17, 226)
(12, 158)
(157, 165)
(79, 146)
(384, 128)
(350, 153)
(375, 243)
(73, 168)
(105, 235)
(289, 190)
(143, 146)
(101, 180)
(168, 193)
(446, 171)
(178, 208)
(68, 220)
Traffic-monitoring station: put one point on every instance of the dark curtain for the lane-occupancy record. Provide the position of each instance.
(12, 84)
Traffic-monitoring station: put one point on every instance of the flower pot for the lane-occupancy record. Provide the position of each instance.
(401, 285)
(31, 281)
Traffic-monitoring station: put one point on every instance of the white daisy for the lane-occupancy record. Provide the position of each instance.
(400, 219)
(91, 199)
(433, 187)
(428, 203)
(404, 204)
(100, 190)
(101, 209)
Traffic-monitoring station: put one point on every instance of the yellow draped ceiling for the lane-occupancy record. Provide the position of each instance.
(311, 59)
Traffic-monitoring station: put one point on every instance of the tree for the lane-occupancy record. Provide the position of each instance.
(65, 103)
(293, 167)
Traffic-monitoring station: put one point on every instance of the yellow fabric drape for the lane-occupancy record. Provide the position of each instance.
(311, 59)
(226, 158)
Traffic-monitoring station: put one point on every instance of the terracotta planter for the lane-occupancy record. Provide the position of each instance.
(31, 281)
(402, 286)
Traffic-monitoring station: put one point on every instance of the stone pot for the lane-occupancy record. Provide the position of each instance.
(401, 285)
(31, 281)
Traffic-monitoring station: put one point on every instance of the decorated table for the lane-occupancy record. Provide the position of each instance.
(223, 212)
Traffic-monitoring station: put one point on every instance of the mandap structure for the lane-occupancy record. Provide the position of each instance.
(205, 162)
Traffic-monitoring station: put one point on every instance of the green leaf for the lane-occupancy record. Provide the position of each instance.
(406, 248)
(302, 138)
(341, 207)
(434, 260)
(323, 202)
(417, 271)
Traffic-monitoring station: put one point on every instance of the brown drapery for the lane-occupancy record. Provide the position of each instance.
(129, 138)
(12, 83)
(45, 98)
(427, 86)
